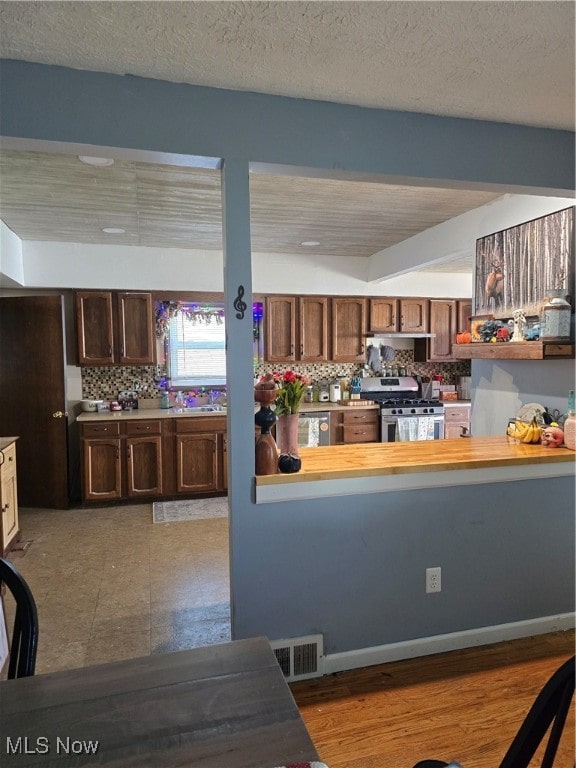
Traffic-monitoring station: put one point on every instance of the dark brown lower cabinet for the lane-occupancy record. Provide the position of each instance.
(144, 466)
(197, 463)
(121, 460)
(200, 455)
(153, 458)
(102, 469)
(356, 425)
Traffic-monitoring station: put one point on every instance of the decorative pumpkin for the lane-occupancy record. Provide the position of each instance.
(288, 463)
(464, 337)
(553, 437)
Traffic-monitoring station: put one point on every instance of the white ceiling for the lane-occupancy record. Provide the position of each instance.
(504, 61)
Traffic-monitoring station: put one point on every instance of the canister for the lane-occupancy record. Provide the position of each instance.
(335, 392)
(555, 317)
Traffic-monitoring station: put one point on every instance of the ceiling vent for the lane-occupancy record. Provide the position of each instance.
(300, 658)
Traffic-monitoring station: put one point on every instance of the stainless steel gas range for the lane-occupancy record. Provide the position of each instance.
(404, 416)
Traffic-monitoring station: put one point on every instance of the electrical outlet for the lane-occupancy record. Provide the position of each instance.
(433, 580)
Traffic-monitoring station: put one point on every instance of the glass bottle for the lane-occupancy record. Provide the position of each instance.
(570, 423)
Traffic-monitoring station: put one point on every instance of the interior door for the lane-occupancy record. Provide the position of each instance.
(33, 396)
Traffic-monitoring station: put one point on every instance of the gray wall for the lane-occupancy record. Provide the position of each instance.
(501, 387)
(352, 569)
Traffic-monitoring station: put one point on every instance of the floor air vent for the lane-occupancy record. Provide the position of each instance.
(300, 657)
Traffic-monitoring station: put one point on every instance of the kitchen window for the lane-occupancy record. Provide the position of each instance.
(196, 346)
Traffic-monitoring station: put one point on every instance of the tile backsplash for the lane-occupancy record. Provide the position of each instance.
(104, 382)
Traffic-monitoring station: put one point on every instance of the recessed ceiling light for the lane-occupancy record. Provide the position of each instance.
(114, 230)
(100, 161)
(310, 243)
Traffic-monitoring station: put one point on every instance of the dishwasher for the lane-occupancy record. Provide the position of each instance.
(313, 429)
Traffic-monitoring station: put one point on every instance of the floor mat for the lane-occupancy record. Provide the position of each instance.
(189, 509)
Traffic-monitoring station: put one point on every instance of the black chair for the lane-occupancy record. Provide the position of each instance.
(23, 641)
(549, 711)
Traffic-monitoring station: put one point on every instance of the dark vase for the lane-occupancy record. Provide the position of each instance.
(266, 449)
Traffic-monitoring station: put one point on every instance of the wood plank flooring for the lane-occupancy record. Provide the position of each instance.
(463, 705)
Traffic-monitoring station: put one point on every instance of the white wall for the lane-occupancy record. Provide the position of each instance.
(73, 265)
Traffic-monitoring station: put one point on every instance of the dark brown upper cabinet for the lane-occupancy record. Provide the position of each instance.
(115, 328)
(398, 315)
(296, 329)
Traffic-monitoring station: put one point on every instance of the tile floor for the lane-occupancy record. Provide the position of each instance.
(110, 584)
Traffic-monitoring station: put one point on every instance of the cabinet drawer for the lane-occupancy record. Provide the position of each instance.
(8, 457)
(460, 413)
(137, 427)
(201, 424)
(361, 433)
(102, 429)
(352, 416)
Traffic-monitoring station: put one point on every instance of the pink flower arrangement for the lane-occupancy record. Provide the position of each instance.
(291, 387)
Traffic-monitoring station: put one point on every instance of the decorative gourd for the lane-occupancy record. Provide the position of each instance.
(553, 437)
(464, 337)
(288, 463)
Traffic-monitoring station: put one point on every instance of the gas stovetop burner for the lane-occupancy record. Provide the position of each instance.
(392, 402)
(410, 407)
(398, 396)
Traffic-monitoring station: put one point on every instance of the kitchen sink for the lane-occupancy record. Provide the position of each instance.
(199, 409)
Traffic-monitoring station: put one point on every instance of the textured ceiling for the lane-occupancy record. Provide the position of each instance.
(504, 61)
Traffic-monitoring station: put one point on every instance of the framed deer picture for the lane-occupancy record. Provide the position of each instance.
(517, 267)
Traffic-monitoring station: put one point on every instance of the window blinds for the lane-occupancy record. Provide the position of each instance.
(197, 351)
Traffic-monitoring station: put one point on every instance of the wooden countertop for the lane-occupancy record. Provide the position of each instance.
(6, 441)
(374, 467)
(173, 413)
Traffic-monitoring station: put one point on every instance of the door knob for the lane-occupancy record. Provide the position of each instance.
(59, 414)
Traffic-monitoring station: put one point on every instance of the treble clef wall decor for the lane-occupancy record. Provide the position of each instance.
(239, 305)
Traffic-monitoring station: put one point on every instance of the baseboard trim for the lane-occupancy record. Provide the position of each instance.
(425, 646)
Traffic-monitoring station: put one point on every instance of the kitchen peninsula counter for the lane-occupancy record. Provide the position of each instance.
(378, 467)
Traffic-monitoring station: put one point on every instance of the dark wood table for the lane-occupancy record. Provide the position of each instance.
(221, 706)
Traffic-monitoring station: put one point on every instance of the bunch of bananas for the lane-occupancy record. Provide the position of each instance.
(525, 431)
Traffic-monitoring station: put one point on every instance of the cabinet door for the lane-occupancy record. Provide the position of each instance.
(8, 499)
(144, 466)
(196, 463)
(94, 327)
(348, 330)
(455, 428)
(464, 311)
(313, 328)
(280, 322)
(383, 315)
(414, 315)
(443, 324)
(135, 329)
(102, 469)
